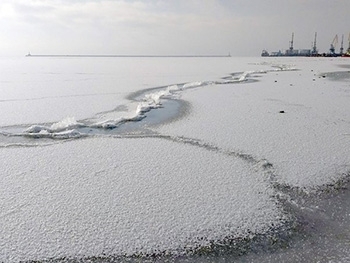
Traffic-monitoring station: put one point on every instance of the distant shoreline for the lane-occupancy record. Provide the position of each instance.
(131, 56)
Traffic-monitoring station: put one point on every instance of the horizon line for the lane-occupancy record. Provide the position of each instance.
(126, 56)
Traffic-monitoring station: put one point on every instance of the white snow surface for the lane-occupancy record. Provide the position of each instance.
(125, 196)
(172, 187)
(308, 144)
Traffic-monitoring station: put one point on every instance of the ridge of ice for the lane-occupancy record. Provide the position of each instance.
(65, 124)
(149, 101)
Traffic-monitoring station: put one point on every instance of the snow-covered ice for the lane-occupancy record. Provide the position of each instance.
(307, 144)
(126, 196)
(111, 157)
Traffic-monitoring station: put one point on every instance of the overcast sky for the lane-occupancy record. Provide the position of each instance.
(172, 27)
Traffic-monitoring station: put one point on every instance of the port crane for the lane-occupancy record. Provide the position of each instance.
(341, 46)
(291, 44)
(333, 45)
(314, 51)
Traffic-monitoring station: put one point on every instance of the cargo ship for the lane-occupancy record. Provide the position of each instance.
(313, 52)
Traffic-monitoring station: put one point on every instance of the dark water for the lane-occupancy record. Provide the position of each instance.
(337, 75)
(323, 228)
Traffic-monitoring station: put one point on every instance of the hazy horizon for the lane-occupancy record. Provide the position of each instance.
(158, 27)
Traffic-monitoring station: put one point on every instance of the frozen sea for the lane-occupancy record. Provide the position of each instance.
(169, 159)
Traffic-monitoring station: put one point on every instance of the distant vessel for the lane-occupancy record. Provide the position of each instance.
(313, 52)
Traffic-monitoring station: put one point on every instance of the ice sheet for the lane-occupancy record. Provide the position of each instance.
(297, 120)
(127, 197)
(46, 90)
(73, 185)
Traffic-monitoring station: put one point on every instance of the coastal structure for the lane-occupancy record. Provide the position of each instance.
(313, 52)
